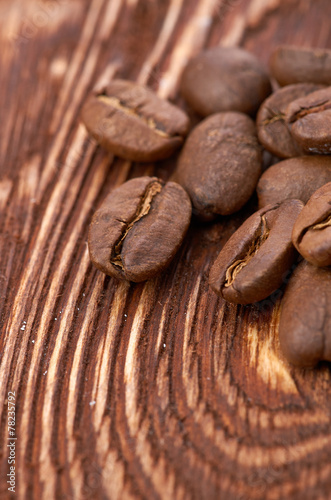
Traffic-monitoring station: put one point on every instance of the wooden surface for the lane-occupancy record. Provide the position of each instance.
(148, 391)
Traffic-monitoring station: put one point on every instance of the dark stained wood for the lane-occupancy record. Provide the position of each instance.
(156, 390)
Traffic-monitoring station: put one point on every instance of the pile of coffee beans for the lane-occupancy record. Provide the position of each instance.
(140, 226)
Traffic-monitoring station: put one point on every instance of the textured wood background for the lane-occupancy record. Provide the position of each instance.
(157, 390)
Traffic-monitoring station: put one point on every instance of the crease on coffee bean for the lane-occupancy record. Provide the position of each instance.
(275, 118)
(304, 111)
(120, 106)
(323, 224)
(143, 209)
(238, 265)
(315, 227)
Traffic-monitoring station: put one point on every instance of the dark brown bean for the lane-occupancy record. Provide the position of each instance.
(272, 128)
(132, 122)
(139, 228)
(305, 318)
(289, 64)
(309, 120)
(220, 164)
(294, 178)
(255, 260)
(312, 230)
(225, 79)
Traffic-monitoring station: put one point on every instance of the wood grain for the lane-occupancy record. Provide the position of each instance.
(157, 390)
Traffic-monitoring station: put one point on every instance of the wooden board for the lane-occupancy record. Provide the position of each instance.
(149, 391)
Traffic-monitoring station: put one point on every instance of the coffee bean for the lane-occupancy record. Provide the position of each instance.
(296, 64)
(220, 164)
(305, 318)
(225, 79)
(255, 260)
(132, 122)
(139, 228)
(272, 129)
(294, 178)
(312, 230)
(309, 120)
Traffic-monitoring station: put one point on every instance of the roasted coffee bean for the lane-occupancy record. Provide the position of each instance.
(294, 178)
(132, 122)
(272, 129)
(255, 260)
(312, 230)
(309, 120)
(305, 317)
(225, 79)
(139, 228)
(289, 64)
(220, 164)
